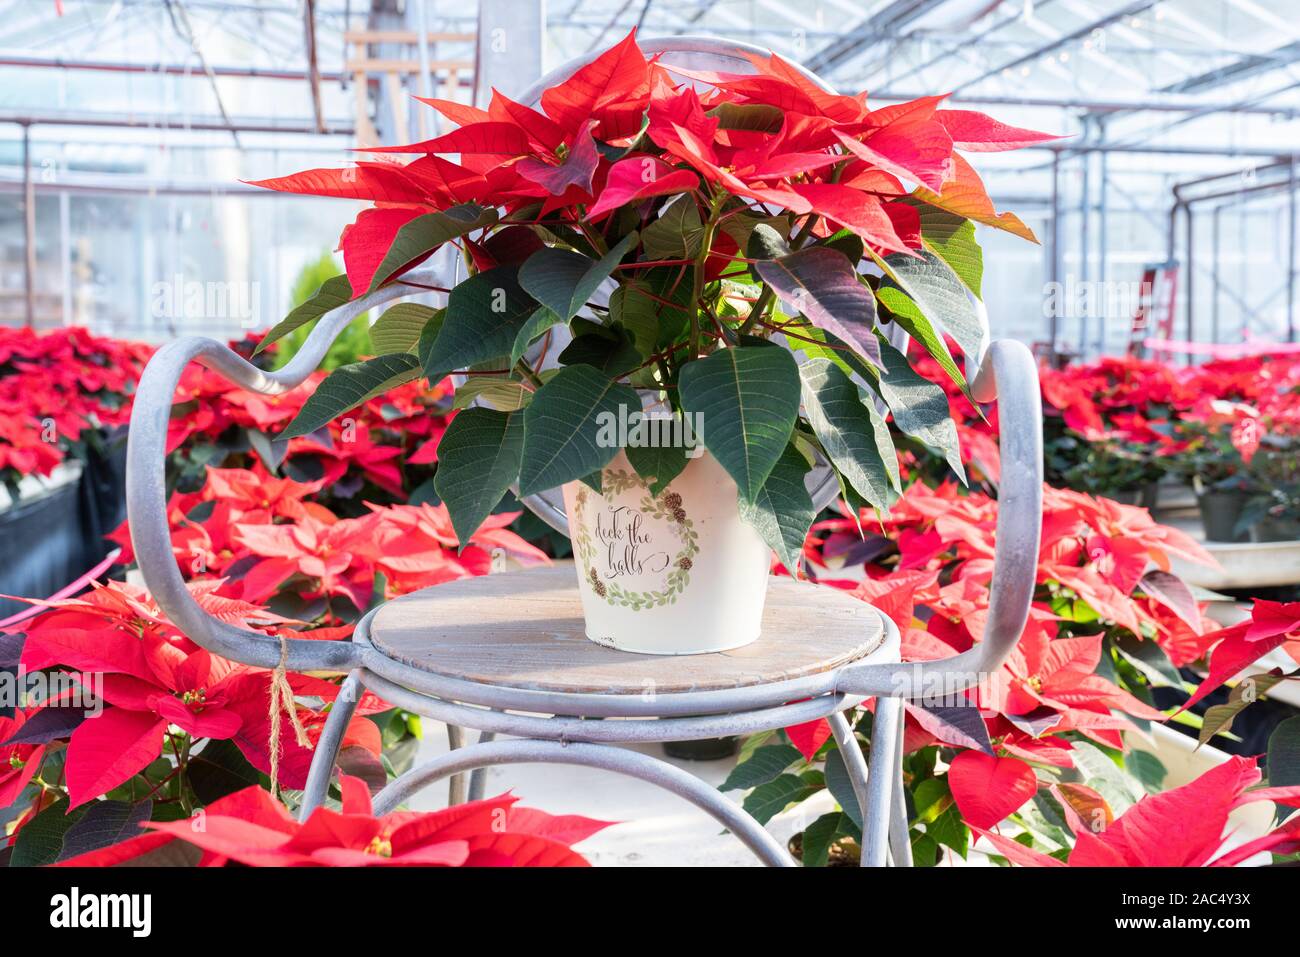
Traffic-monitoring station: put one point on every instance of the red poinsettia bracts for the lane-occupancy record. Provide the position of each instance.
(151, 678)
(624, 128)
(56, 385)
(249, 827)
(1183, 827)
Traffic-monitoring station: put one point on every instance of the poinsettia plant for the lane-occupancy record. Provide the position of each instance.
(676, 227)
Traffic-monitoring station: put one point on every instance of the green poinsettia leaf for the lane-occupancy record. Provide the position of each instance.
(746, 401)
(615, 355)
(782, 511)
(657, 465)
(563, 439)
(478, 460)
(426, 233)
(909, 315)
(843, 424)
(334, 292)
(542, 319)
(399, 329)
(677, 233)
(920, 407)
(952, 239)
(939, 294)
(821, 283)
(654, 307)
(484, 316)
(563, 280)
(504, 395)
(348, 387)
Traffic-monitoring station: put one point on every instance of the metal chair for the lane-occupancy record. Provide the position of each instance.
(580, 700)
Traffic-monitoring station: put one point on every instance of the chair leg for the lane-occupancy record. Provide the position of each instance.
(327, 748)
(478, 777)
(854, 763)
(900, 838)
(456, 783)
(880, 782)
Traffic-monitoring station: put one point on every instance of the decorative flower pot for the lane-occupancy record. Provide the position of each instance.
(676, 574)
(1220, 510)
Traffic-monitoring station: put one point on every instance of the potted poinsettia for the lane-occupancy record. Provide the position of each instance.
(674, 285)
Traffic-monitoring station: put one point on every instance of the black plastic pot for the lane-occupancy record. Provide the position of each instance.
(51, 539)
(705, 749)
(1146, 496)
(1220, 509)
(1275, 530)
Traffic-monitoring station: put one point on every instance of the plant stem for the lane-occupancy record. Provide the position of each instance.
(756, 312)
(525, 370)
(706, 242)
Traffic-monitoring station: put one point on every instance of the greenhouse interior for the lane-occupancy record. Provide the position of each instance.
(650, 433)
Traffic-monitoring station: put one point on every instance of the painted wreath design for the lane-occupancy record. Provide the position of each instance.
(666, 507)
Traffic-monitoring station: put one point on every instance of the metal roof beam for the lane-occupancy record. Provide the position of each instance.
(870, 31)
(1242, 69)
(1129, 10)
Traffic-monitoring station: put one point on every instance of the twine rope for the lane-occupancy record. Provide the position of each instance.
(282, 703)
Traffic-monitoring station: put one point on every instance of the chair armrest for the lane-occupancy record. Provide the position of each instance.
(146, 483)
(1010, 375)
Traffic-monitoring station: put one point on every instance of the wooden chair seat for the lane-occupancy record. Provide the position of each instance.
(525, 630)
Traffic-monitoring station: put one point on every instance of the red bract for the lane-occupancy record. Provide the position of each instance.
(18, 762)
(251, 828)
(1179, 828)
(54, 386)
(773, 137)
(1271, 625)
(987, 789)
(154, 677)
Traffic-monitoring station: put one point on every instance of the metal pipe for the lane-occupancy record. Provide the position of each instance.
(1055, 266)
(883, 767)
(207, 124)
(631, 763)
(1130, 10)
(1290, 258)
(313, 67)
(1103, 192)
(422, 45)
(106, 66)
(1215, 217)
(1162, 105)
(1085, 199)
(29, 231)
(1190, 226)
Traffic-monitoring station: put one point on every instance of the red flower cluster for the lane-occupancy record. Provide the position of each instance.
(53, 386)
(1183, 827)
(262, 535)
(622, 129)
(154, 677)
(1101, 563)
(249, 827)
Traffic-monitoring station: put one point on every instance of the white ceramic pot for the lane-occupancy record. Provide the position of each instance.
(680, 574)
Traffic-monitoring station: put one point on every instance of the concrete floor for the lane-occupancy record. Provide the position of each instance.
(656, 828)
